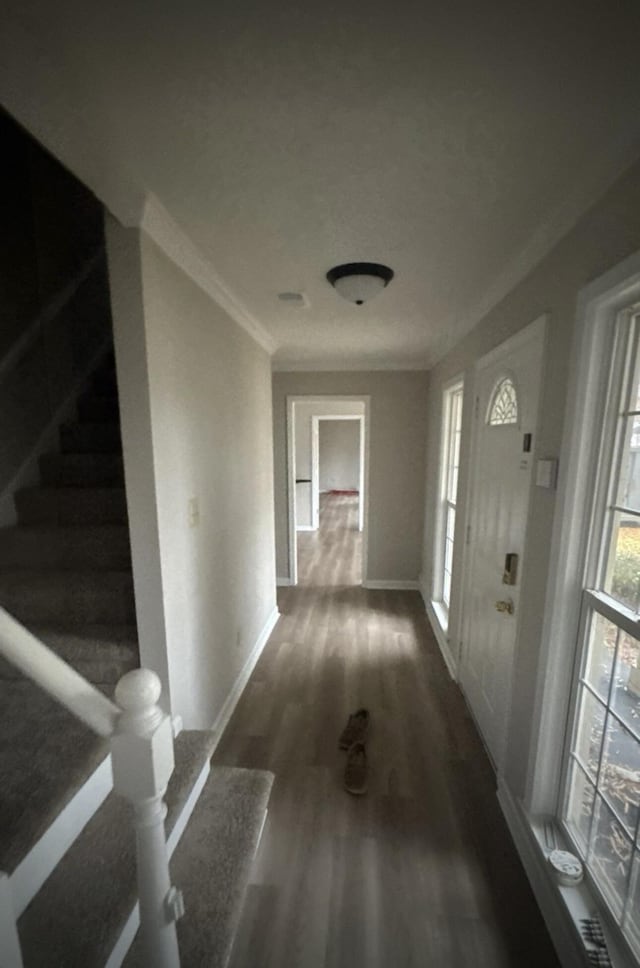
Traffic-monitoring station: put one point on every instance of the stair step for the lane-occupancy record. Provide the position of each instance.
(45, 757)
(46, 546)
(78, 916)
(71, 505)
(82, 470)
(100, 653)
(212, 865)
(90, 438)
(68, 598)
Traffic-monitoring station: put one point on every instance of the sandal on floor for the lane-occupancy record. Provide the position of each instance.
(355, 773)
(356, 729)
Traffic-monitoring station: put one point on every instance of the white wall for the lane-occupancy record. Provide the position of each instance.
(196, 422)
(397, 434)
(608, 233)
(339, 454)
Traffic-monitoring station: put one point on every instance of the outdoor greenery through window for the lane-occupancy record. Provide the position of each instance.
(601, 806)
(451, 427)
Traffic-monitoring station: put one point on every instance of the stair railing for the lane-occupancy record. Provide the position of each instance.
(142, 756)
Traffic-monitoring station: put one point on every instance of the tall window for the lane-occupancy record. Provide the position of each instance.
(601, 799)
(451, 425)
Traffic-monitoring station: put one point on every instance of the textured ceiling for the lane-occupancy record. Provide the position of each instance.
(452, 141)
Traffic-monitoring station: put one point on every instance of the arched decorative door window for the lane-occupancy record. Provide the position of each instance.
(504, 404)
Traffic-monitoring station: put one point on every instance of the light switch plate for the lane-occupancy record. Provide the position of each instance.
(546, 472)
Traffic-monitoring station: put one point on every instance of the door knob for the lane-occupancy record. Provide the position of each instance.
(505, 607)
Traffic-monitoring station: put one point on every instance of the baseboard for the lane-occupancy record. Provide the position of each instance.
(439, 634)
(390, 584)
(554, 910)
(231, 701)
(32, 872)
(283, 583)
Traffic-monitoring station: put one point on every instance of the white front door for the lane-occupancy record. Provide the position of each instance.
(507, 392)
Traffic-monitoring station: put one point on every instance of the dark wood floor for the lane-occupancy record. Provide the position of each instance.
(420, 871)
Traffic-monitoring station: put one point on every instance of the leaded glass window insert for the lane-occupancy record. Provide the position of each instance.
(504, 404)
(601, 802)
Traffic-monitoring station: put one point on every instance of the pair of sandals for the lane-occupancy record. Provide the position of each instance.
(352, 739)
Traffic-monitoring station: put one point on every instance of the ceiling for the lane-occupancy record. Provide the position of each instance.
(455, 142)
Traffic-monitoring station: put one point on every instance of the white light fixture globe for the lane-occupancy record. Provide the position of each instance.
(359, 281)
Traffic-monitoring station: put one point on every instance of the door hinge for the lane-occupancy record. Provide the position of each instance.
(468, 537)
(477, 408)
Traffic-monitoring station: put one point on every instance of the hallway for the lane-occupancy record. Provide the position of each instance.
(421, 870)
(332, 555)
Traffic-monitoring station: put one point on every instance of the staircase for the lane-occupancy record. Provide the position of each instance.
(67, 842)
(65, 568)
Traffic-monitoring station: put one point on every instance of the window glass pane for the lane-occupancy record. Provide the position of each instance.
(504, 405)
(622, 578)
(626, 682)
(632, 920)
(610, 856)
(580, 806)
(602, 647)
(629, 487)
(589, 733)
(620, 773)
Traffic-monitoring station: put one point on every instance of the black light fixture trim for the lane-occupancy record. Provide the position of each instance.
(360, 269)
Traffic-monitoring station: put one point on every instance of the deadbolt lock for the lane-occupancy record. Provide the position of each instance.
(505, 607)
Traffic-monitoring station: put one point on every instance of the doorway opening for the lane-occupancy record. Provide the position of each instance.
(328, 490)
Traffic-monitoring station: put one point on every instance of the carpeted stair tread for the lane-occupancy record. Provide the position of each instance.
(40, 546)
(71, 505)
(68, 598)
(100, 653)
(78, 915)
(90, 437)
(82, 470)
(212, 864)
(45, 758)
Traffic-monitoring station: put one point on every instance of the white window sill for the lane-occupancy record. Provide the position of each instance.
(563, 907)
(442, 615)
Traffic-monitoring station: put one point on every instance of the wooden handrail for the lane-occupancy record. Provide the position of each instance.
(56, 677)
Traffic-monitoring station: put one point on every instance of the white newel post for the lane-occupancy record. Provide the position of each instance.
(142, 754)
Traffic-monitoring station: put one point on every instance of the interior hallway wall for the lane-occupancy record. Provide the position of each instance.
(604, 236)
(339, 454)
(195, 393)
(396, 462)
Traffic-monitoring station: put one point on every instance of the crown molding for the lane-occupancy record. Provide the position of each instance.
(167, 234)
(348, 366)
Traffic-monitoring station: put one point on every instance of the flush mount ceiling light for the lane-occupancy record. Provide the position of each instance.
(359, 281)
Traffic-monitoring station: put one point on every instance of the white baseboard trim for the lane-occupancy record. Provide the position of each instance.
(390, 584)
(32, 872)
(231, 701)
(283, 583)
(439, 634)
(566, 940)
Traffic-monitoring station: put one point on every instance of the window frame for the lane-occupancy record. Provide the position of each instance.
(624, 336)
(453, 390)
(598, 307)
